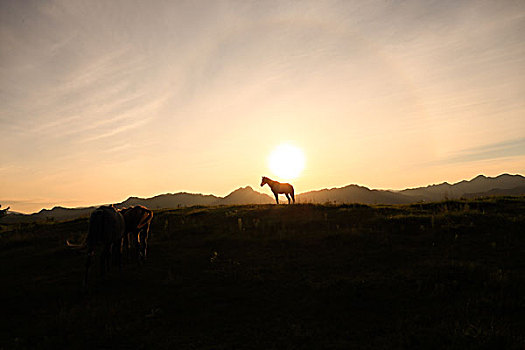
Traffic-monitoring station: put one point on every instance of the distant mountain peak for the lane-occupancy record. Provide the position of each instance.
(481, 185)
(477, 185)
(244, 189)
(245, 195)
(479, 177)
(510, 176)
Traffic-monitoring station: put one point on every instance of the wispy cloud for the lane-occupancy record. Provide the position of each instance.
(86, 91)
(505, 149)
(125, 121)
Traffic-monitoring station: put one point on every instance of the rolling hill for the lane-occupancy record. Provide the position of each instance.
(171, 200)
(446, 275)
(353, 194)
(245, 195)
(480, 186)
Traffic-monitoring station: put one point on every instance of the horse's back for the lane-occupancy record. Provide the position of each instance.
(286, 188)
(106, 225)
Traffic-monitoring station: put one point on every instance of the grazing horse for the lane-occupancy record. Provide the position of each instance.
(137, 221)
(106, 228)
(278, 187)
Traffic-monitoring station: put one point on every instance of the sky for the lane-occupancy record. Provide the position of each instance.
(102, 100)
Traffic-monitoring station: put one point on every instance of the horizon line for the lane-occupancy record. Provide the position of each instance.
(250, 186)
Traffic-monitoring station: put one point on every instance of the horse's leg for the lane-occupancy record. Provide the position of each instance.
(125, 246)
(293, 197)
(287, 197)
(117, 253)
(144, 241)
(130, 245)
(104, 260)
(88, 264)
(110, 259)
(136, 246)
(121, 252)
(276, 197)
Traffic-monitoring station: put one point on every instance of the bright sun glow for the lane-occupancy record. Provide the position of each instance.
(286, 161)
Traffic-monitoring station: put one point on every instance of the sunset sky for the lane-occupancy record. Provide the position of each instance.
(102, 100)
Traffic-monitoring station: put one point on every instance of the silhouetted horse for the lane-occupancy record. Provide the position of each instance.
(106, 228)
(278, 187)
(137, 220)
(3, 212)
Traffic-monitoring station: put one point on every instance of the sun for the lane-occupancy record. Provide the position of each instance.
(286, 161)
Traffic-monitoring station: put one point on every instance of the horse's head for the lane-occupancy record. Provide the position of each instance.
(124, 210)
(264, 180)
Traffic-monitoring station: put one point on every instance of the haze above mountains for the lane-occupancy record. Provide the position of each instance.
(479, 186)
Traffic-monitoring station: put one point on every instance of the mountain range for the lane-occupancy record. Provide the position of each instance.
(480, 186)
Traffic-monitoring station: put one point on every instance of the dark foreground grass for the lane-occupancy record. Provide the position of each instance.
(437, 275)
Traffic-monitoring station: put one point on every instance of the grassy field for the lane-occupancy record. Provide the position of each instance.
(436, 275)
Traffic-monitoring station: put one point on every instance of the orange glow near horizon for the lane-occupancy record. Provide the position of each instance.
(100, 103)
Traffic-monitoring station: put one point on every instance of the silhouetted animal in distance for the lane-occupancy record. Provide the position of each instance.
(3, 212)
(278, 187)
(106, 229)
(137, 221)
